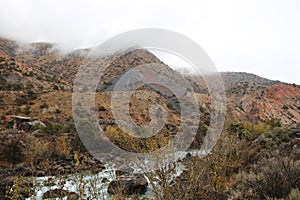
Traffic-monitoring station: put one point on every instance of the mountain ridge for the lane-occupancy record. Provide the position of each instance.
(39, 68)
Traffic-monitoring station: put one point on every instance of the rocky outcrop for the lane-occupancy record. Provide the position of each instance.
(60, 193)
(128, 184)
(124, 169)
(56, 167)
(24, 123)
(278, 101)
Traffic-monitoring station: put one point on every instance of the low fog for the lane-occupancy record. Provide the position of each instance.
(260, 37)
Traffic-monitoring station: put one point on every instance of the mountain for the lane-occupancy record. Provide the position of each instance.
(233, 78)
(41, 70)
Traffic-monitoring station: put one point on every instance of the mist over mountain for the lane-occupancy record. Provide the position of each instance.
(41, 67)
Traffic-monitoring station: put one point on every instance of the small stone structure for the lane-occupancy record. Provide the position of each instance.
(24, 123)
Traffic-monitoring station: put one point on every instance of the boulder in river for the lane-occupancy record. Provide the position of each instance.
(128, 184)
(55, 193)
(73, 196)
(124, 169)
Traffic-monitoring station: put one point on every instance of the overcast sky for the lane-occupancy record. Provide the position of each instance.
(256, 36)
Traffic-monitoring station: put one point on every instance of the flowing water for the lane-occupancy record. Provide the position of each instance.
(94, 186)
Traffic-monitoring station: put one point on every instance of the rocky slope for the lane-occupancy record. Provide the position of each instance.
(36, 80)
(41, 68)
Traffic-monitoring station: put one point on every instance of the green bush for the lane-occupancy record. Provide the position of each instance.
(44, 105)
(57, 111)
(17, 86)
(20, 101)
(102, 108)
(273, 140)
(18, 110)
(52, 129)
(273, 122)
(285, 107)
(55, 87)
(26, 110)
(240, 129)
(31, 95)
(3, 82)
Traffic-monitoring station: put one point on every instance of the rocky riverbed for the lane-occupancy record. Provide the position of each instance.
(84, 177)
(93, 180)
(59, 167)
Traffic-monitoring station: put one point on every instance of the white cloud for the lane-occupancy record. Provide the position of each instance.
(261, 37)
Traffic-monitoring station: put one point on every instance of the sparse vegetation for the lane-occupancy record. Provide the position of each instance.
(274, 178)
(257, 156)
(285, 107)
(44, 105)
(26, 110)
(133, 144)
(57, 111)
(62, 147)
(20, 101)
(3, 82)
(52, 129)
(17, 86)
(55, 87)
(36, 150)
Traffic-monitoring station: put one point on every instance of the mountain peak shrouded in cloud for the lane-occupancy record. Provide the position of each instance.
(253, 36)
(41, 68)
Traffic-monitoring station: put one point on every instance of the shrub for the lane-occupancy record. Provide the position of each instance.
(198, 139)
(26, 110)
(57, 111)
(18, 110)
(18, 86)
(273, 122)
(20, 101)
(203, 178)
(174, 105)
(55, 87)
(21, 189)
(70, 127)
(3, 82)
(10, 147)
(52, 129)
(294, 195)
(44, 105)
(62, 147)
(36, 150)
(240, 129)
(31, 95)
(102, 108)
(285, 107)
(257, 129)
(128, 142)
(274, 138)
(275, 178)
